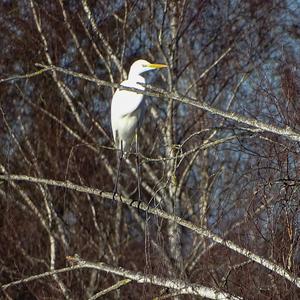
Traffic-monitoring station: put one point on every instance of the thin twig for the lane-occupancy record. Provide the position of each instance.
(111, 288)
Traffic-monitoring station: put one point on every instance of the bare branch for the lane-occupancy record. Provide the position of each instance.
(182, 286)
(111, 288)
(158, 212)
(287, 132)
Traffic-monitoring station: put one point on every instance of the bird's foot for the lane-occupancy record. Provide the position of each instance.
(114, 196)
(138, 205)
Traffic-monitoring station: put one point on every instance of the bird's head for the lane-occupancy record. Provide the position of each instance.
(140, 66)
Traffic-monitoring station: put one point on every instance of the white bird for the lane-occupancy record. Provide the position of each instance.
(127, 106)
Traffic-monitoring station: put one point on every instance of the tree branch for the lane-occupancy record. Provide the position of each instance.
(182, 286)
(158, 212)
(287, 132)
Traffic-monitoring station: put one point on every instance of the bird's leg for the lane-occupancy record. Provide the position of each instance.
(138, 169)
(120, 159)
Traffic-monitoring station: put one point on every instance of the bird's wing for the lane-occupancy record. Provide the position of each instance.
(142, 108)
(125, 102)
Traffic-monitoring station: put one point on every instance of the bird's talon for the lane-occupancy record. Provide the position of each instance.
(139, 204)
(114, 195)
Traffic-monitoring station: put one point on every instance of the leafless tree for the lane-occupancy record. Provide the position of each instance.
(218, 150)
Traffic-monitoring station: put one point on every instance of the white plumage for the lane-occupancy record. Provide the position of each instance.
(127, 106)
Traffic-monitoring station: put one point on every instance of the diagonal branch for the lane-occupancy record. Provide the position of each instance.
(102, 38)
(182, 286)
(110, 289)
(158, 212)
(287, 132)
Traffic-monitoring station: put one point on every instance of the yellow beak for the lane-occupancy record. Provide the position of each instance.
(157, 66)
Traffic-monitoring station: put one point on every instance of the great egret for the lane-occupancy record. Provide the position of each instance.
(127, 108)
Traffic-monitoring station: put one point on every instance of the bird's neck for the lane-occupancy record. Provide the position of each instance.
(136, 78)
